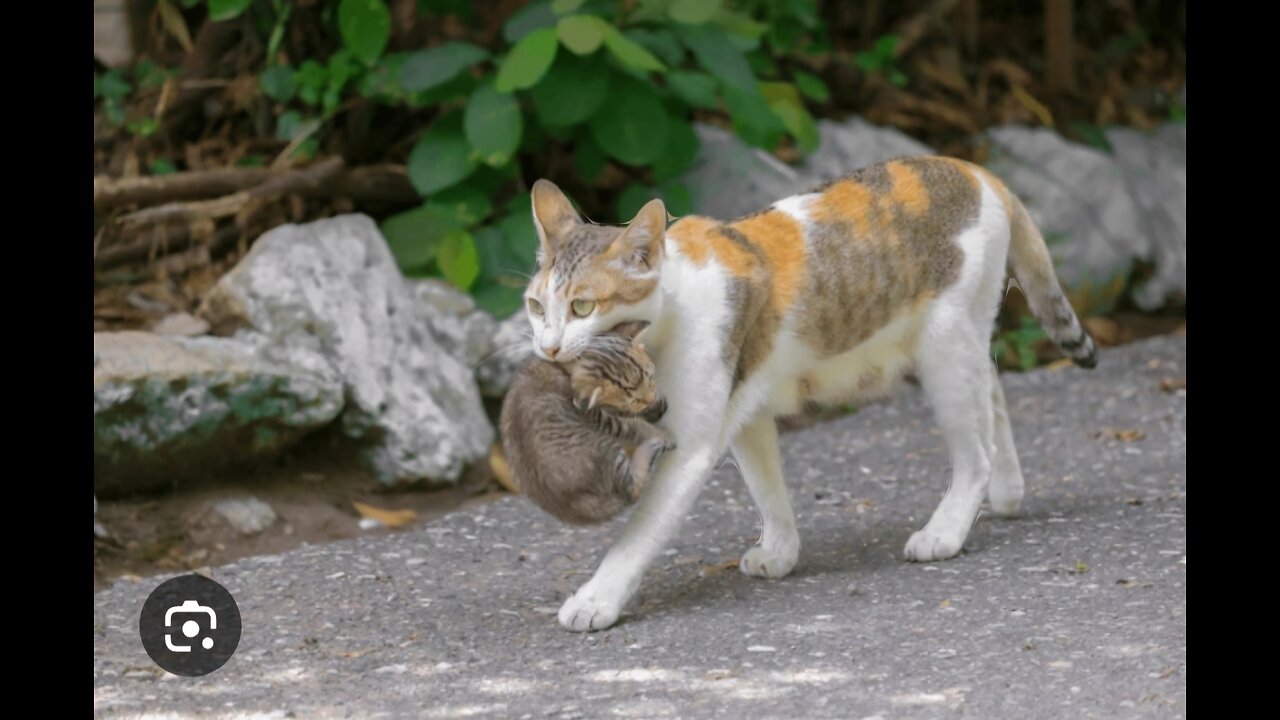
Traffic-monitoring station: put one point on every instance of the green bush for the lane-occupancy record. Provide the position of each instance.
(611, 82)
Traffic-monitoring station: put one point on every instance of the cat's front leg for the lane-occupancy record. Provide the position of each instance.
(676, 484)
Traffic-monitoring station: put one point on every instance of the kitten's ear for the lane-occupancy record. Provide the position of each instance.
(640, 246)
(553, 217)
(630, 329)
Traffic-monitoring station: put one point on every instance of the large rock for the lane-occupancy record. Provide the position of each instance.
(1102, 212)
(729, 178)
(333, 288)
(1154, 168)
(165, 406)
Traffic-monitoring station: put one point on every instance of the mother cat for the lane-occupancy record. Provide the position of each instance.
(828, 295)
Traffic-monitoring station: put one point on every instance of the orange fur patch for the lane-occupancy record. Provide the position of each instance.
(846, 201)
(907, 189)
(690, 235)
(781, 239)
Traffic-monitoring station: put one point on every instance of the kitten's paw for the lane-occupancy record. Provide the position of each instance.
(586, 613)
(769, 563)
(926, 546)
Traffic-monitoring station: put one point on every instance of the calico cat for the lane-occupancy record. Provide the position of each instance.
(579, 437)
(829, 295)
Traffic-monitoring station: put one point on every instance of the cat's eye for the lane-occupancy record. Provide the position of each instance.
(583, 308)
(535, 307)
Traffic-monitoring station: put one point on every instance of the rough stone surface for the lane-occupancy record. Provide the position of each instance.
(730, 178)
(1102, 212)
(1076, 609)
(248, 515)
(332, 287)
(165, 405)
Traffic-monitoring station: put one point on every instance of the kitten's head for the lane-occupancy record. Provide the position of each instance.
(613, 371)
(590, 277)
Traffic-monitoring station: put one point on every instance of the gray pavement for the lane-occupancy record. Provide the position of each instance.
(1076, 609)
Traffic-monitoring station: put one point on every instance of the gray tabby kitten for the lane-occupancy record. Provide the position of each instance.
(579, 436)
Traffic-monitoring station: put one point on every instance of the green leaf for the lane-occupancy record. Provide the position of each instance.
(632, 54)
(426, 69)
(527, 19)
(113, 85)
(697, 89)
(677, 156)
(458, 259)
(693, 12)
(571, 92)
(365, 26)
(897, 78)
(564, 7)
(660, 42)
(144, 127)
(227, 9)
(582, 34)
(674, 195)
(588, 158)
(632, 126)
(291, 124)
(718, 55)
(518, 233)
(740, 24)
(811, 86)
(797, 120)
(753, 120)
(442, 158)
(493, 124)
(466, 205)
(277, 83)
(163, 166)
(497, 299)
(311, 79)
(528, 61)
(414, 236)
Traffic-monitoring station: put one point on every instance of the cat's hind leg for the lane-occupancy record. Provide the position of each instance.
(955, 372)
(1007, 484)
(756, 452)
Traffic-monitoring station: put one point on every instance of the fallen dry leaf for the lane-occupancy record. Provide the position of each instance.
(1172, 384)
(1059, 364)
(390, 518)
(944, 604)
(1121, 435)
(718, 568)
(501, 470)
(1107, 332)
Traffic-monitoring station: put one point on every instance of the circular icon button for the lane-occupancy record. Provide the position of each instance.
(190, 625)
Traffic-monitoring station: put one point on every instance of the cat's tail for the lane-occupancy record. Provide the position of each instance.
(1033, 267)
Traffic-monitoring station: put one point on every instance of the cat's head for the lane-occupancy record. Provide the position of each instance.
(613, 371)
(590, 277)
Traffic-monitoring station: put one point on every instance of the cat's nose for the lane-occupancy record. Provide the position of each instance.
(551, 351)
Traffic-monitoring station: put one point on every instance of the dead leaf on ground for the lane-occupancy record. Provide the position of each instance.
(1107, 332)
(1172, 384)
(1123, 435)
(390, 518)
(944, 604)
(501, 470)
(718, 568)
(1059, 364)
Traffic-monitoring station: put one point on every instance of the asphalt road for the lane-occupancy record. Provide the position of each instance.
(1076, 609)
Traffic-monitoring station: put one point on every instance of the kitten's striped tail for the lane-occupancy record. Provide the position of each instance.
(1033, 267)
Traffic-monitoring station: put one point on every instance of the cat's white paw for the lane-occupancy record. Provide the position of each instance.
(926, 546)
(764, 562)
(584, 612)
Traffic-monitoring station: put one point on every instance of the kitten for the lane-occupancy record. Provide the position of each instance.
(579, 438)
(825, 296)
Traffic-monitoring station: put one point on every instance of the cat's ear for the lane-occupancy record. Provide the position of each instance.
(553, 217)
(640, 246)
(630, 329)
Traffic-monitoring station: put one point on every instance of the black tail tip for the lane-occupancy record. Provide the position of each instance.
(1087, 362)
